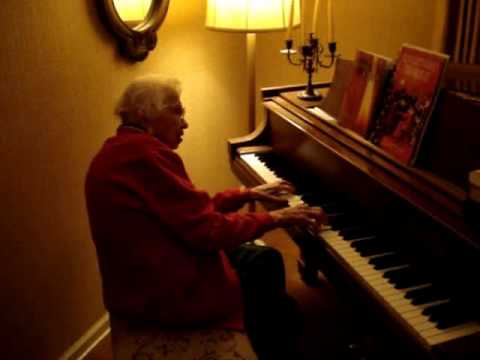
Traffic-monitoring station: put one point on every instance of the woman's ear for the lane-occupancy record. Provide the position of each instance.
(141, 118)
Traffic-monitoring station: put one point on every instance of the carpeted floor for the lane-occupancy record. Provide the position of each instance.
(327, 328)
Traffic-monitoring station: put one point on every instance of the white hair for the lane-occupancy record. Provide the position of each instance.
(147, 95)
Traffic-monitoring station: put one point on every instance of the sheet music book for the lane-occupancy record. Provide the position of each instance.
(408, 102)
(362, 94)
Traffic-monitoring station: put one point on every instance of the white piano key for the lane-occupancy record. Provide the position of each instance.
(269, 176)
(265, 173)
(295, 200)
(454, 333)
(326, 234)
(420, 321)
(436, 331)
(425, 326)
(395, 298)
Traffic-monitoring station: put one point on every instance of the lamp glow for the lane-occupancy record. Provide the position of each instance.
(131, 11)
(251, 15)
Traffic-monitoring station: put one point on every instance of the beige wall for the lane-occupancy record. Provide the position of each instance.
(59, 78)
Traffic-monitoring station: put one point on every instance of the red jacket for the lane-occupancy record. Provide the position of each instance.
(159, 240)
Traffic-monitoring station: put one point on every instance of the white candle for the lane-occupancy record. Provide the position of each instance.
(302, 21)
(290, 20)
(315, 16)
(330, 33)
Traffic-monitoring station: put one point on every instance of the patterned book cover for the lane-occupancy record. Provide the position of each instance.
(363, 92)
(408, 103)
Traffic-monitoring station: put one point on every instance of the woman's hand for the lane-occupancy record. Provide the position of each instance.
(311, 217)
(276, 192)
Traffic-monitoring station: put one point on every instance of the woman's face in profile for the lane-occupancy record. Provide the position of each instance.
(168, 126)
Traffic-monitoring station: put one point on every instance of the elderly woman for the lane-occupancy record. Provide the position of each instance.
(167, 251)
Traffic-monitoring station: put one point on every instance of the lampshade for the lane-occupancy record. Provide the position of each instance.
(251, 15)
(132, 10)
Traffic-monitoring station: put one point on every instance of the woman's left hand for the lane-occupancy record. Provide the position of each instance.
(276, 192)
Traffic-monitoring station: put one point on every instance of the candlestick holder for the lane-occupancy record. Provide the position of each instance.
(310, 58)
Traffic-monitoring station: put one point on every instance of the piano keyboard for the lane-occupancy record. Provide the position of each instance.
(268, 176)
(421, 305)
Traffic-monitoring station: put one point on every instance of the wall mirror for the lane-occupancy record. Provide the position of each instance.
(134, 23)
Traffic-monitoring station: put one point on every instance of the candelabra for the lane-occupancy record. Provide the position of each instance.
(310, 59)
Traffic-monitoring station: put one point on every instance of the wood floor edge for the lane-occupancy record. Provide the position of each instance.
(88, 340)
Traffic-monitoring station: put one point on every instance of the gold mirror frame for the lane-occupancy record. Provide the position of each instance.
(134, 43)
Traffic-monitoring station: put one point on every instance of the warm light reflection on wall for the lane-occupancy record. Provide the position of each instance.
(132, 10)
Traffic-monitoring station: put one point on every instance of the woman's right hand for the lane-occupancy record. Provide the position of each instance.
(300, 215)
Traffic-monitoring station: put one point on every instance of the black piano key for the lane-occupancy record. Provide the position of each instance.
(397, 273)
(372, 247)
(272, 160)
(407, 283)
(373, 251)
(364, 243)
(426, 295)
(452, 320)
(316, 199)
(417, 293)
(388, 261)
(428, 311)
(355, 232)
(415, 279)
(367, 243)
(343, 221)
(331, 207)
(447, 314)
(406, 277)
(267, 156)
(410, 281)
(280, 168)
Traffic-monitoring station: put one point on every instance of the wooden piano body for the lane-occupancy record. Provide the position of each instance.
(418, 211)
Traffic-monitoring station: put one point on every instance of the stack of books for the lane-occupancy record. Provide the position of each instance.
(370, 74)
(390, 103)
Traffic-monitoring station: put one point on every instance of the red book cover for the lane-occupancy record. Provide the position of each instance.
(409, 101)
(363, 92)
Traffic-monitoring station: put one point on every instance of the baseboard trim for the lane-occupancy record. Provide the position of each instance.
(89, 340)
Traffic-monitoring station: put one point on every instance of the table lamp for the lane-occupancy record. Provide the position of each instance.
(251, 17)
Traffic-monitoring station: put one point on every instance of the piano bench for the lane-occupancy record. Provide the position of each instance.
(134, 342)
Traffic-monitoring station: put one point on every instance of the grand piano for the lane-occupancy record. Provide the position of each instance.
(402, 244)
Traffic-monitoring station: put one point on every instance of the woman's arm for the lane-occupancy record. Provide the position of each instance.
(232, 199)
